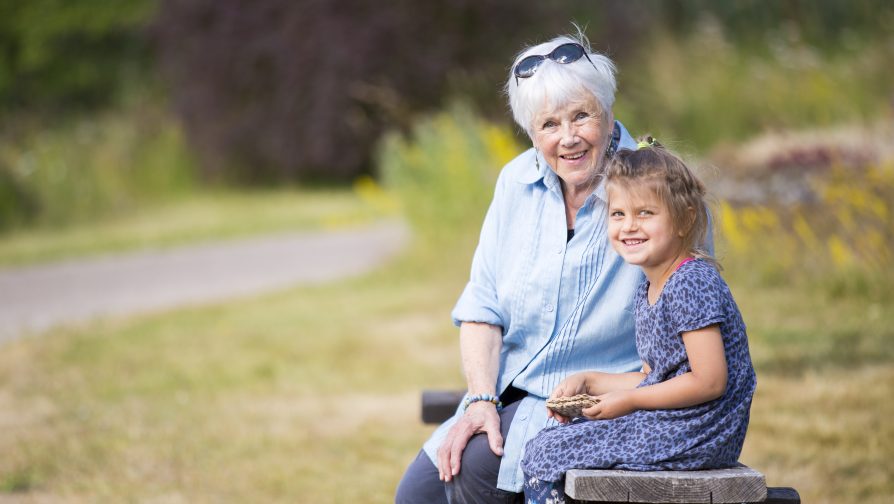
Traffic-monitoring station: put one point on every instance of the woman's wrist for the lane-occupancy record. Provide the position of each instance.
(471, 399)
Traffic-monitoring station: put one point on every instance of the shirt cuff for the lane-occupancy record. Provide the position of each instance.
(476, 304)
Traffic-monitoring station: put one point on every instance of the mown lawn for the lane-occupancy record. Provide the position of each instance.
(199, 217)
(312, 395)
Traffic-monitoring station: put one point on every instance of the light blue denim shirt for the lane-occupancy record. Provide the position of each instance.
(564, 307)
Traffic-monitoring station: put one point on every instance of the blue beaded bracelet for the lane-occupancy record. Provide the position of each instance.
(482, 397)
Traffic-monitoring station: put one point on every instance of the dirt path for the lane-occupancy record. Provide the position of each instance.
(35, 298)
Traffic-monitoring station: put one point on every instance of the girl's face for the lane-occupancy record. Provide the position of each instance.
(641, 229)
(572, 139)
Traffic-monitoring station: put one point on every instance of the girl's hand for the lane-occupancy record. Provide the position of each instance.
(573, 385)
(611, 405)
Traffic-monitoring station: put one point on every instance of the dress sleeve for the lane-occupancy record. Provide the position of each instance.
(697, 299)
(479, 301)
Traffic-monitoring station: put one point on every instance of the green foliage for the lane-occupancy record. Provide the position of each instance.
(83, 169)
(61, 54)
(443, 173)
(822, 23)
(839, 244)
(701, 89)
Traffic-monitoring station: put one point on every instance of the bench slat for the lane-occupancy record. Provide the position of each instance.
(737, 484)
(782, 495)
(439, 405)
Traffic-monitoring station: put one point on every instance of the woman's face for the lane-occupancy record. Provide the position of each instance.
(573, 139)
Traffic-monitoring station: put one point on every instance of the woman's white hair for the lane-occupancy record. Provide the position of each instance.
(560, 84)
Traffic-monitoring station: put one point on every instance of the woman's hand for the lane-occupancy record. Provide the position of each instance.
(570, 386)
(612, 405)
(479, 417)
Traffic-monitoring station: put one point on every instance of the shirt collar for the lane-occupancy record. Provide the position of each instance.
(534, 169)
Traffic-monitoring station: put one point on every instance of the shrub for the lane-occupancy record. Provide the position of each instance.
(92, 168)
(444, 171)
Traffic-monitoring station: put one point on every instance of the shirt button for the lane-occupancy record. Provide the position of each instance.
(549, 307)
(522, 417)
(561, 249)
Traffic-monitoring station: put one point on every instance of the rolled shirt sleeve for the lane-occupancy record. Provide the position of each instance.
(479, 300)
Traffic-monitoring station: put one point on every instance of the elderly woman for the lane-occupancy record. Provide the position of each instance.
(548, 296)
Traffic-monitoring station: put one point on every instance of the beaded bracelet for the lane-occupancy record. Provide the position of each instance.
(482, 397)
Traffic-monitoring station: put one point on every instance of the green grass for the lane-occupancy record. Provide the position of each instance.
(277, 399)
(820, 419)
(284, 397)
(199, 217)
(267, 400)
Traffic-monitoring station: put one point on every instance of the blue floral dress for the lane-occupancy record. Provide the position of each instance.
(709, 435)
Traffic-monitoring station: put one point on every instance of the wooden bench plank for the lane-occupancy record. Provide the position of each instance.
(737, 484)
(439, 405)
(782, 495)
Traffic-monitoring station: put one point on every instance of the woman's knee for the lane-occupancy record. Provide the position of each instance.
(420, 483)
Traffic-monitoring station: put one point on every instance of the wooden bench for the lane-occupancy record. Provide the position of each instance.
(734, 485)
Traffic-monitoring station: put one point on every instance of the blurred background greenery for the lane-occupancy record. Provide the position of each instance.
(138, 122)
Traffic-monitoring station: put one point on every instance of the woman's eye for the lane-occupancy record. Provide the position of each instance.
(581, 116)
(549, 124)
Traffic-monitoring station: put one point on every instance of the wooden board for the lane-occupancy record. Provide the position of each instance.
(737, 484)
(439, 405)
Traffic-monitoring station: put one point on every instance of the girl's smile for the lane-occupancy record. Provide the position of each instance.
(642, 232)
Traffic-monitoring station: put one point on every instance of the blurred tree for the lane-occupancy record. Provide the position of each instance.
(62, 54)
(301, 89)
(820, 23)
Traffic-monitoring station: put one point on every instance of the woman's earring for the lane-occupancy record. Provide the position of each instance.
(610, 149)
(613, 140)
(537, 159)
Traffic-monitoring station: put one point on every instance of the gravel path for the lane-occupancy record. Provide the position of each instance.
(35, 298)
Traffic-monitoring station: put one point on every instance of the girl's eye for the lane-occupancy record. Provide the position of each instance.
(646, 212)
(616, 213)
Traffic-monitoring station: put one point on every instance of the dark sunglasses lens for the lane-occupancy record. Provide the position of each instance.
(567, 53)
(527, 66)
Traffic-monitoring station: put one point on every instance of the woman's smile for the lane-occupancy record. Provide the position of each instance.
(570, 137)
(573, 157)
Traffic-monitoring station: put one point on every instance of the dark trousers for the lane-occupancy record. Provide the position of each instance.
(477, 479)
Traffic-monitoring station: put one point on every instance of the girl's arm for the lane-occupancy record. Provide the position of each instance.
(705, 382)
(596, 383)
(593, 383)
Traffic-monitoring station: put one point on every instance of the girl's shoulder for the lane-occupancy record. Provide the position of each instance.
(697, 279)
(697, 296)
(696, 271)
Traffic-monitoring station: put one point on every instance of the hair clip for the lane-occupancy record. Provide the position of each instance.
(648, 142)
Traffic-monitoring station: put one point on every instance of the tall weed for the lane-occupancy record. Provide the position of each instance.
(839, 243)
(443, 173)
(701, 89)
(92, 167)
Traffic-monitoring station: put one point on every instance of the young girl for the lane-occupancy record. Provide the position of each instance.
(688, 408)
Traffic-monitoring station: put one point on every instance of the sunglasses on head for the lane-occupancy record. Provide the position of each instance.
(564, 54)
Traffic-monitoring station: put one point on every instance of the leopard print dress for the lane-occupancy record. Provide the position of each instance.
(706, 436)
